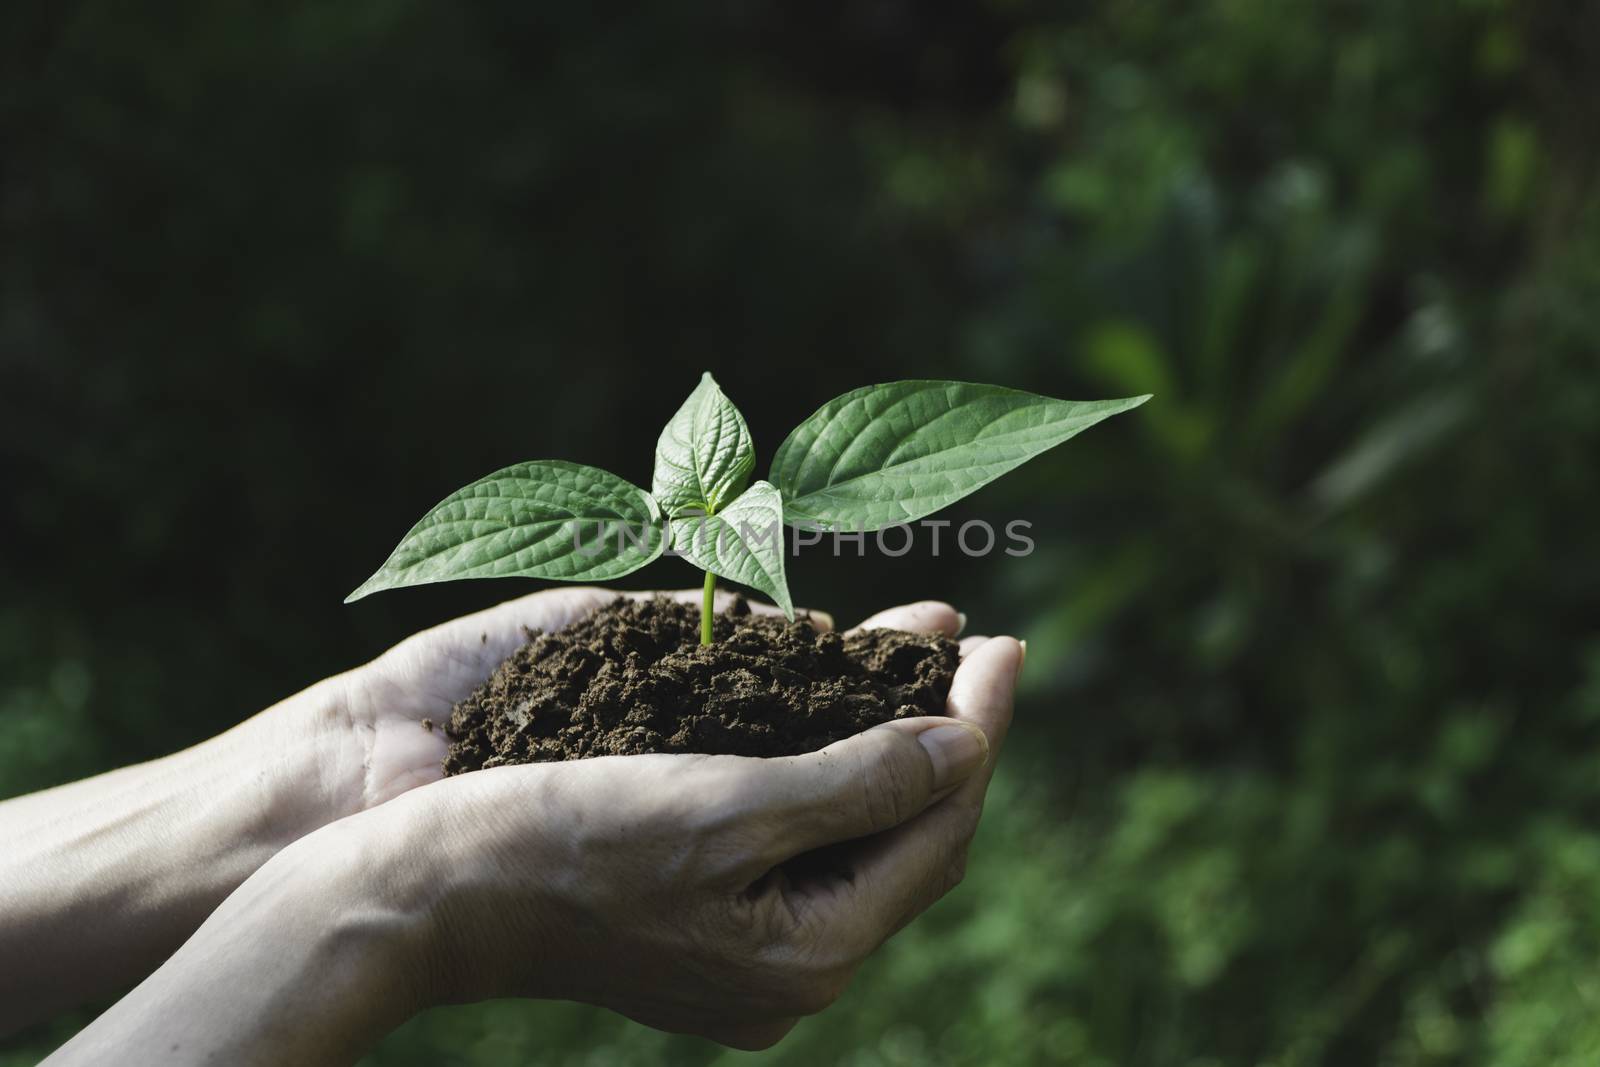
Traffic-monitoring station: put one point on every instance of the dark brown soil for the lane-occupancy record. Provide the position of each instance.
(633, 678)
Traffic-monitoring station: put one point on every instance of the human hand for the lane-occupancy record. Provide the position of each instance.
(718, 895)
(104, 878)
(386, 750)
(688, 892)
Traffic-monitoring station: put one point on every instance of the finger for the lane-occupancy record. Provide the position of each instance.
(820, 620)
(859, 786)
(969, 644)
(925, 616)
(897, 875)
(981, 693)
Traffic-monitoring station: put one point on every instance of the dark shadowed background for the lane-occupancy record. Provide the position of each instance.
(1307, 762)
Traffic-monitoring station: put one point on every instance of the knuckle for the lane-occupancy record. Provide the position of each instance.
(881, 803)
(971, 812)
(765, 928)
(955, 870)
(891, 785)
(817, 990)
(802, 975)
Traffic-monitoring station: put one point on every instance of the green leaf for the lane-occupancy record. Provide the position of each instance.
(520, 521)
(892, 453)
(704, 456)
(742, 543)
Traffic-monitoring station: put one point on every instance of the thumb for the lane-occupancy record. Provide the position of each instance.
(867, 783)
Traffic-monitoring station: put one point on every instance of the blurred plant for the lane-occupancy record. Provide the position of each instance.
(1307, 764)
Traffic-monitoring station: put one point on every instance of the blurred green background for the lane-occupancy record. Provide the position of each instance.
(1307, 765)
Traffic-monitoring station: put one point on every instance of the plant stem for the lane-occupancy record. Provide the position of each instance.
(706, 607)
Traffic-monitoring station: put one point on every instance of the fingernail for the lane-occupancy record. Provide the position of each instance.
(961, 623)
(1024, 658)
(956, 751)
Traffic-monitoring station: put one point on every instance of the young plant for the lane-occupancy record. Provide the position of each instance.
(875, 457)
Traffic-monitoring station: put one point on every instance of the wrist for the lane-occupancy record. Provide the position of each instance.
(392, 875)
(410, 865)
(303, 963)
(107, 877)
(372, 921)
(304, 757)
(471, 918)
(345, 934)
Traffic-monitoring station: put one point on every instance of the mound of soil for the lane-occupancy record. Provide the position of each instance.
(634, 678)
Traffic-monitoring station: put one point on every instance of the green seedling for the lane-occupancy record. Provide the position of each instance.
(875, 457)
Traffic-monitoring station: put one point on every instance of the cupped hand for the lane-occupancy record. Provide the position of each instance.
(423, 677)
(718, 895)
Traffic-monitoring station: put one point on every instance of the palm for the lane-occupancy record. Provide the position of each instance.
(424, 676)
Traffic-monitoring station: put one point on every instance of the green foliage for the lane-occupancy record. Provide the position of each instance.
(893, 453)
(880, 455)
(704, 456)
(528, 520)
(743, 542)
